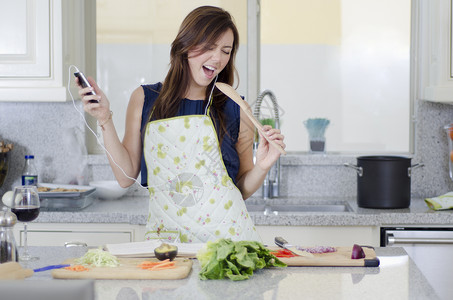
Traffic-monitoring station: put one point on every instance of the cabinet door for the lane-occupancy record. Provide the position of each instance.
(94, 235)
(434, 37)
(25, 48)
(40, 40)
(31, 44)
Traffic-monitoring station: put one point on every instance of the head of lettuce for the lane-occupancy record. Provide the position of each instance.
(234, 260)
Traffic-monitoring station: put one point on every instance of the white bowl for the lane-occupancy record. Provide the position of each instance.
(108, 189)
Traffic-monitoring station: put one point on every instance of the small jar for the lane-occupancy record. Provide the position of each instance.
(8, 249)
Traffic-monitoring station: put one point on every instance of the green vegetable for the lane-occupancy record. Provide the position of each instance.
(268, 121)
(234, 260)
(98, 258)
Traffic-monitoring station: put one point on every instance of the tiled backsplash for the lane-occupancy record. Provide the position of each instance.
(42, 128)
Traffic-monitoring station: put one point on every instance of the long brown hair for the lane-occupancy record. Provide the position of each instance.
(201, 27)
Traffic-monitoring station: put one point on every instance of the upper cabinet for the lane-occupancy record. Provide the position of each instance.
(435, 50)
(40, 40)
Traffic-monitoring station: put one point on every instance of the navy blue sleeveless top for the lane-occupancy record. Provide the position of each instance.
(191, 107)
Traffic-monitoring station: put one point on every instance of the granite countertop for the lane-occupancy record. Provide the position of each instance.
(134, 210)
(396, 278)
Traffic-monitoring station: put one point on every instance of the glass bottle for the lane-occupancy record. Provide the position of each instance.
(30, 175)
(8, 249)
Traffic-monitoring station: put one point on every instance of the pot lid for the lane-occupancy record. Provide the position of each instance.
(383, 157)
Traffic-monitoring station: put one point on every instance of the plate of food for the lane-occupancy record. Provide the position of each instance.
(52, 190)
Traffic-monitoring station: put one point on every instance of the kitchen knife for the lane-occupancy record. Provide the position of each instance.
(281, 242)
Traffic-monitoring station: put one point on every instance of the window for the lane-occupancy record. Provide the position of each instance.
(134, 40)
(345, 60)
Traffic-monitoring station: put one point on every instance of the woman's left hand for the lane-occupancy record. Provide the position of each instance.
(267, 154)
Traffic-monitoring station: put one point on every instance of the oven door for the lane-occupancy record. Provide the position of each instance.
(431, 249)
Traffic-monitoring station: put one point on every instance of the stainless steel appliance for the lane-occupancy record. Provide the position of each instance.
(431, 248)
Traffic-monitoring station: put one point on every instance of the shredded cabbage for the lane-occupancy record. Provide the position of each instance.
(98, 258)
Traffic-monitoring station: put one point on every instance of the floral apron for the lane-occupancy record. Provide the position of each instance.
(192, 197)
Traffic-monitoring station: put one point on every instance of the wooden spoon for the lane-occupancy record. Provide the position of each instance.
(13, 270)
(230, 92)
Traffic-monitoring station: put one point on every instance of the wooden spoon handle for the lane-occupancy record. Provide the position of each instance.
(13, 270)
(230, 92)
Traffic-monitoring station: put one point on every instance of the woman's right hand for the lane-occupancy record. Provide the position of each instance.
(100, 109)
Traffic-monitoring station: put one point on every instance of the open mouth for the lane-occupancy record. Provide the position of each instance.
(208, 70)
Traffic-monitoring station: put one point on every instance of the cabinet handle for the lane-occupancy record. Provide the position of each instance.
(75, 244)
(392, 240)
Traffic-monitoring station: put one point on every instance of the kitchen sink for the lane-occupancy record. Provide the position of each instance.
(297, 208)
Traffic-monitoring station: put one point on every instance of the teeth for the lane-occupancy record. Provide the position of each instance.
(210, 68)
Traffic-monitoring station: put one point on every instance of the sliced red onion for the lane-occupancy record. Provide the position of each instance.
(317, 249)
(357, 252)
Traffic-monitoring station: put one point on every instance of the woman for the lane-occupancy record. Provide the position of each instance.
(173, 133)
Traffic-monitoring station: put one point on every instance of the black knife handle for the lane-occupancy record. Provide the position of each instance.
(279, 241)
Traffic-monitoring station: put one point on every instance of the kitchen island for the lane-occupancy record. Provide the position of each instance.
(123, 220)
(396, 278)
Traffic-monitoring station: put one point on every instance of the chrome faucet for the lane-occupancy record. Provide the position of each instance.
(271, 184)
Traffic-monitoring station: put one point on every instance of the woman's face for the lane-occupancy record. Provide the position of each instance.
(204, 66)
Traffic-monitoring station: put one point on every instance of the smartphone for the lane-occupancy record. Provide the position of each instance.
(84, 83)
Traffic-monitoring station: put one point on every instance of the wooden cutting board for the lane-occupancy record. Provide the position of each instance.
(127, 270)
(340, 258)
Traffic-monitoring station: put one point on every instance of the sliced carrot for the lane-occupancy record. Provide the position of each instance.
(156, 268)
(77, 268)
(163, 266)
(153, 263)
(158, 265)
(165, 263)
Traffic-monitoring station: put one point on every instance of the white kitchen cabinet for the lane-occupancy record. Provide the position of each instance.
(321, 235)
(40, 39)
(435, 50)
(93, 234)
(98, 234)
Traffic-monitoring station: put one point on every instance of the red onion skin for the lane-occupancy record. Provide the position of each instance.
(357, 252)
